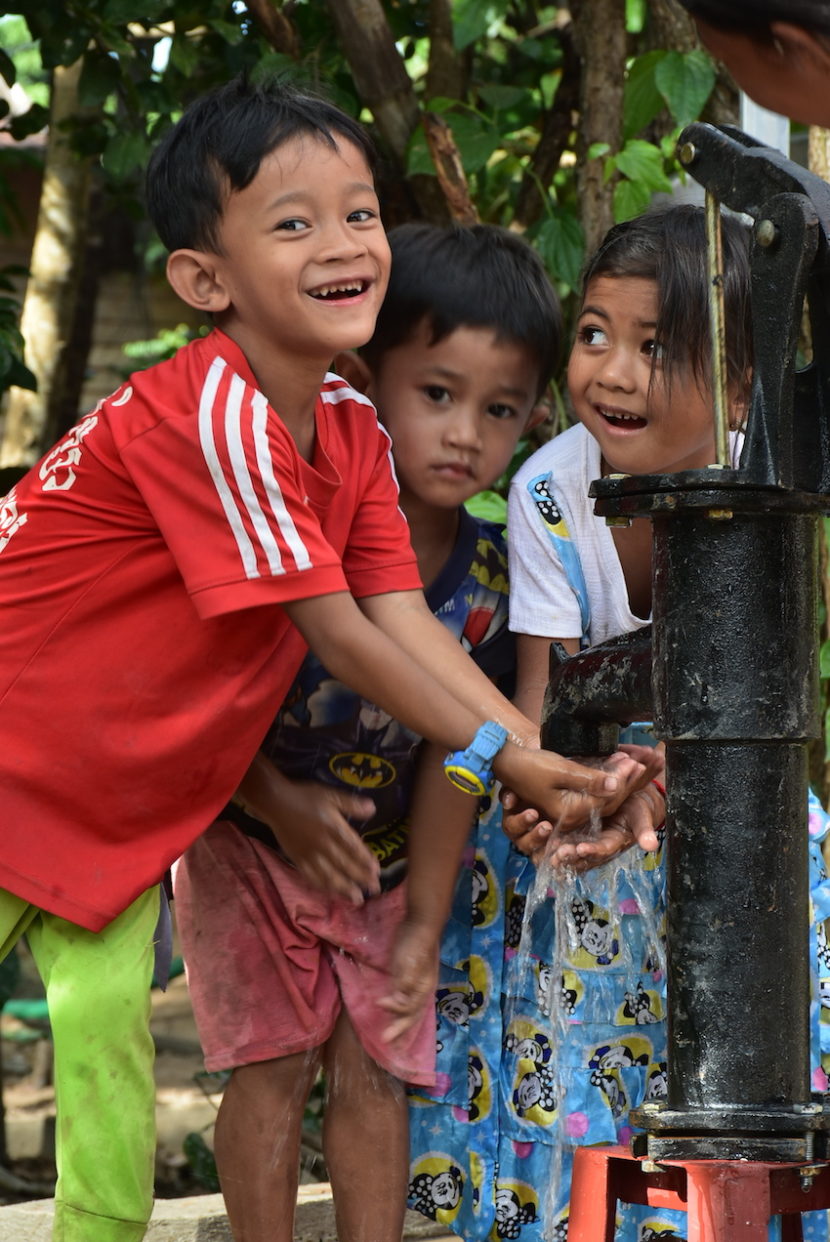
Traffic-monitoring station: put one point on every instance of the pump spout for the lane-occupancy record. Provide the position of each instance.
(590, 695)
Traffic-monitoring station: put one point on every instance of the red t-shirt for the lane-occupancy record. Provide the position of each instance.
(143, 651)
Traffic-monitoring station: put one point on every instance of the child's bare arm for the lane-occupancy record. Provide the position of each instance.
(532, 663)
(311, 822)
(515, 766)
(400, 656)
(440, 821)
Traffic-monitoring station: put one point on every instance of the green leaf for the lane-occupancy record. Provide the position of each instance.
(100, 75)
(824, 660)
(418, 157)
(201, 1160)
(184, 56)
(475, 138)
(227, 30)
(635, 15)
(561, 243)
(487, 505)
(124, 152)
(64, 42)
(533, 49)
(499, 97)
(472, 18)
(597, 149)
(20, 375)
(121, 12)
(630, 199)
(643, 162)
(685, 80)
(642, 99)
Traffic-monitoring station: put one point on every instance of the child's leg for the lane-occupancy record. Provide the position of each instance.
(98, 992)
(257, 1144)
(365, 1141)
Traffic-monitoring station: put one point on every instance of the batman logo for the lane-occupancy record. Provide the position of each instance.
(362, 771)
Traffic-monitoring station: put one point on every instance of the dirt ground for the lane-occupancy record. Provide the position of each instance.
(186, 1103)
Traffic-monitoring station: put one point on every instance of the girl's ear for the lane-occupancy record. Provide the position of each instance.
(196, 276)
(354, 370)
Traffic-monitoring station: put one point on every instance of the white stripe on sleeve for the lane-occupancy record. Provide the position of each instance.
(223, 491)
(284, 520)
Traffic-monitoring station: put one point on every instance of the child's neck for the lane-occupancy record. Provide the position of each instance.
(433, 533)
(291, 388)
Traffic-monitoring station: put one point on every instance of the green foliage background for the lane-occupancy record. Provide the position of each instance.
(143, 60)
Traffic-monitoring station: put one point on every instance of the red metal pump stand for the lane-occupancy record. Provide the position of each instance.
(725, 1200)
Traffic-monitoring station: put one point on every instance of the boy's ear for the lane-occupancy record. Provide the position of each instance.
(196, 276)
(801, 45)
(354, 370)
(539, 414)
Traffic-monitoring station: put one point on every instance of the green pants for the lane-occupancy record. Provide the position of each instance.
(98, 993)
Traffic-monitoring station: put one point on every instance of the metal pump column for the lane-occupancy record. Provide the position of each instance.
(735, 691)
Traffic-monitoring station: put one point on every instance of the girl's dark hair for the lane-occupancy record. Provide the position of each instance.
(218, 145)
(480, 276)
(753, 17)
(668, 246)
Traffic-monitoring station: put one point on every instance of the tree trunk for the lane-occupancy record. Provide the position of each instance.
(385, 88)
(49, 303)
(600, 40)
(445, 74)
(275, 27)
(379, 73)
(557, 127)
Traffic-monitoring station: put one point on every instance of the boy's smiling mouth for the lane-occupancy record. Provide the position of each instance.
(341, 291)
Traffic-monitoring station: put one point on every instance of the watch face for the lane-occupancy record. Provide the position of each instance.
(468, 781)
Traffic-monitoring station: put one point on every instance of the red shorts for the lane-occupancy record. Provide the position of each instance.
(271, 962)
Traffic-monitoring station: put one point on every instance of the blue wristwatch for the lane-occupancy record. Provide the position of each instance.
(472, 769)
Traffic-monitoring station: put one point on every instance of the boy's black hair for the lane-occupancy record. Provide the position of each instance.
(668, 245)
(753, 17)
(218, 145)
(477, 276)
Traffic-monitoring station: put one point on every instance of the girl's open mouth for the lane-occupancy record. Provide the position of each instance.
(623, 421)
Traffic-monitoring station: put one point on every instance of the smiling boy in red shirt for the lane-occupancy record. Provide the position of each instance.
(162, 572)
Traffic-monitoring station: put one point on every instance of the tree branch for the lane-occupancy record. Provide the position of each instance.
(449, 169)
(379, 73)
(557, 130)
(600, 39)
(275, 27)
